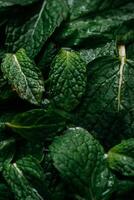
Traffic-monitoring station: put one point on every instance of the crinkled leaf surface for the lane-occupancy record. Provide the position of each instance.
(88, 32)
(80, 160)
(36, 124)
(24, 76)
(67, 79)
(35, 31)
(86, 85)
(30, 167)
(121, 157)
(19, 184)
(34, 173)
(107, 106)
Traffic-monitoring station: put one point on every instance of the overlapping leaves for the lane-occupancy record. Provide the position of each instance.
(46, 87)
(83, 164)
(35, 31)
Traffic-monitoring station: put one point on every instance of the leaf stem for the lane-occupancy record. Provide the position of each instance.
(122, 56)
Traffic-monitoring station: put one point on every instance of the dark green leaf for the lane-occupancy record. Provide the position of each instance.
(24, 76)
(125, 33)
(5, 193)
(124, 186)
(37, 124)
(80, 160)
(7, 150)
(30, 167)
(35, 31)
(121, 157)
(108, 49)
(130, 51)
(19, 184)
(5, 91)
(67, 79)
(58, 192)
(47, 57)
(88, 32)
(79, 8)
(2, 52)
(34, 173)
(107, 106)
(31, 149)
(16, 2)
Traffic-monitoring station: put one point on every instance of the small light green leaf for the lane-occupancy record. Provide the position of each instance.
(24, 76)
(19, 184)
(37, 124)
(36, 30)
(80, 160)
(121, 157)
(67, 79)
(7, 150)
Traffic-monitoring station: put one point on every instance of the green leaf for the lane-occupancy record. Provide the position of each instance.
(24, 76)
(31, 149)
(79, 8)
(19, 184)
(34, 173)
(32, 34)
(7, 150)
(2, 52)
(67, 79)
(124, 186)
(5, 3)
(130, 51)
(90, 32)
(30, 167)
(107, 106)
(125, 33)
(121, 157)
(5, 91)
(108, 49)
(80, 160)
(46, 59)
(58, 192)
(37, 124)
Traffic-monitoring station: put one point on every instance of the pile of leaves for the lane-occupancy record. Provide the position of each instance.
(66, 100)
